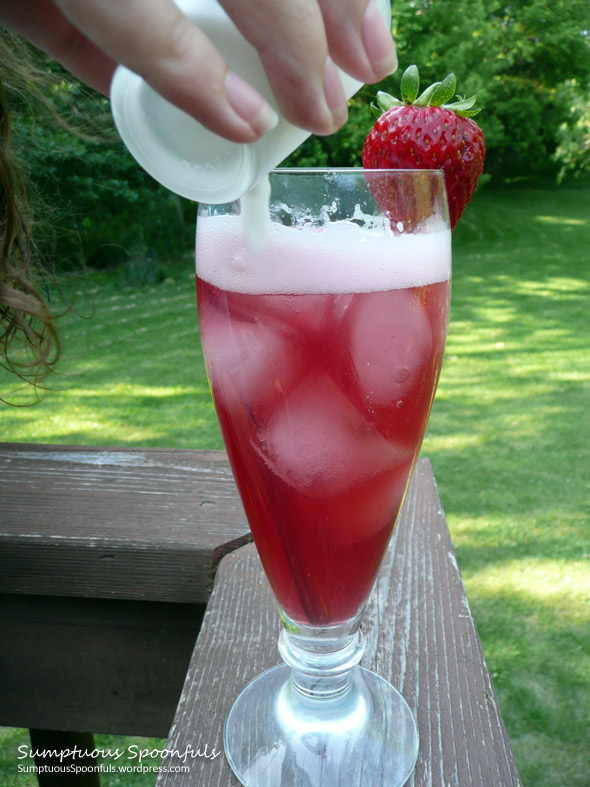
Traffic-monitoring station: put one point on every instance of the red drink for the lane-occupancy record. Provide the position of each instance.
(323, 318)
(323, 400)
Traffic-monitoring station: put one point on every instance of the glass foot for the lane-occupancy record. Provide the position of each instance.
(277, 736)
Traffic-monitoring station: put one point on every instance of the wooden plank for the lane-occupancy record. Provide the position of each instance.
(420, 635)
(94, 665)
(125, 523)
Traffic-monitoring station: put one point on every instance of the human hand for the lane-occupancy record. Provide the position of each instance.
(298, 41)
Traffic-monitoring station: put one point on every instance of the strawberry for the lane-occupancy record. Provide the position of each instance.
(425, 132)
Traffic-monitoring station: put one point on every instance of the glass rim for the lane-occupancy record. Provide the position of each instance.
(351, 171)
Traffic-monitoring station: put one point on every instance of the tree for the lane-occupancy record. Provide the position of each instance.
(96, 205)
(573, 136)
(517, 56)
(527, 61)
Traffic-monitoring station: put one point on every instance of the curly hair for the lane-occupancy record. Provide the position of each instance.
(28, 338)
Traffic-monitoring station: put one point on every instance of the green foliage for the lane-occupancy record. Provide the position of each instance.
(98, 205)
(517, 58)
(343, 149)
(527, 62)
(573, 136)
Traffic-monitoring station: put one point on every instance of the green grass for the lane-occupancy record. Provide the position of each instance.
(509, 439)
(131, 373)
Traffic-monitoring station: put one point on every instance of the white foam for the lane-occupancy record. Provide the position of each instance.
(340, 258)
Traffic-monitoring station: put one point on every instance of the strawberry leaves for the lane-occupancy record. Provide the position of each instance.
(439, 94)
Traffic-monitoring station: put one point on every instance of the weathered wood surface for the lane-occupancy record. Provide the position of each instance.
(420, 635)
(115, 523)
(94, 665)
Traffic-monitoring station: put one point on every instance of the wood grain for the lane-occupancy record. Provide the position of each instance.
(115, 523)
(420, 635)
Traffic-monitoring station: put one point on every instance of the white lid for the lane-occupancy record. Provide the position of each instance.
(181, 153)
(174, 148)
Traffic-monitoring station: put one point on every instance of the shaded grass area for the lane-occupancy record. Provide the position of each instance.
(509, 440)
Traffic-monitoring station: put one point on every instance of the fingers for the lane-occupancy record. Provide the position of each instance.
(359, 38)
(291, 41)
(300, 42)
(155, 40)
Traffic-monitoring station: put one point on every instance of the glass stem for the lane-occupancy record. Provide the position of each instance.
(321, 667)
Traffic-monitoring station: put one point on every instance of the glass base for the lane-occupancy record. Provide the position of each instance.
(277, 736)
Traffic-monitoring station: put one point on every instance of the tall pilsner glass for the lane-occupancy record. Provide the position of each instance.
(323, 334)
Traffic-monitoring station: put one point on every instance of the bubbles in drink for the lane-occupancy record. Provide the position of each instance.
(337, 259)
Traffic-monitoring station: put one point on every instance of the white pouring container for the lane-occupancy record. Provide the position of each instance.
(182, 154)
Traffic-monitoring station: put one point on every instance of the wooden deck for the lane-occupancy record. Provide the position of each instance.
(420, 636)
(107, 560)
(110, 558)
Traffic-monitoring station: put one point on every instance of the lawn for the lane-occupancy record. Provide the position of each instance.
(509, 440)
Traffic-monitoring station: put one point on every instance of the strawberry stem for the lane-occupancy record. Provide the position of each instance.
(386, 101)
(438, 94)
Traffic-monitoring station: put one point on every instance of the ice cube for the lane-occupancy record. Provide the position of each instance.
(319, 443)
(305, 313)
(390, 344)
(260, 362)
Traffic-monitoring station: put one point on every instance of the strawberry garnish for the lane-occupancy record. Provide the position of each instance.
(427, 132)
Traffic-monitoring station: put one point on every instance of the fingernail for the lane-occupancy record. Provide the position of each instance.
(249, 104)
(378, 42)
(334, 93)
